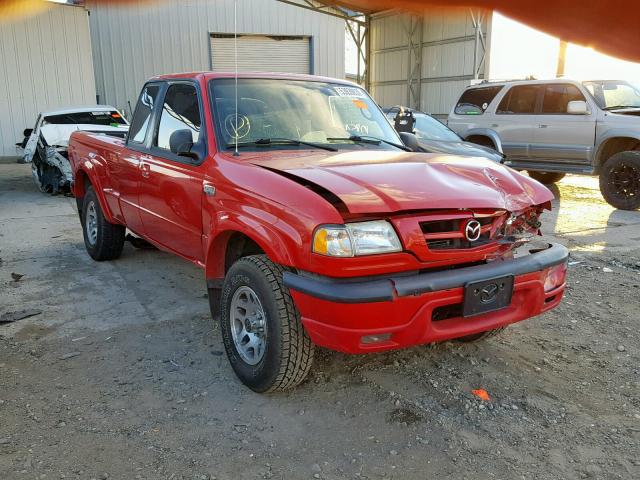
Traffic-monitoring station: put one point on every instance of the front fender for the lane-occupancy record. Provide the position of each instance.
(280, 242)
(485, 132)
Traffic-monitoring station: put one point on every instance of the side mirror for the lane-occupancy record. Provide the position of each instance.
(577, 107)
(410, 141)
(27, 132)
(181, 143)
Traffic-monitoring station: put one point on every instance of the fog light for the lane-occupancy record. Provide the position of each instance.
(555, 277)
(369, 339)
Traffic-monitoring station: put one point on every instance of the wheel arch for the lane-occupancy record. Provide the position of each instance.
(84, 178)
(477, 133)
(613, 143)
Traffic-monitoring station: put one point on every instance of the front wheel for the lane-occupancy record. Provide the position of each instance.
(262, 332)
(546, 178)
(620, 180)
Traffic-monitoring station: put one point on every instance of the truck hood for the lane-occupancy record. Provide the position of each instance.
(382, 181)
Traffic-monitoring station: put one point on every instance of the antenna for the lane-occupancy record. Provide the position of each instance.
(235, 47)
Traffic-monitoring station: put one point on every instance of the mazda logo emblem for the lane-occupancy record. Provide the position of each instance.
(489, 293)
(472, 230)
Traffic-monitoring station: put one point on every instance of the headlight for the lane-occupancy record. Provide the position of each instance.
(355, 239)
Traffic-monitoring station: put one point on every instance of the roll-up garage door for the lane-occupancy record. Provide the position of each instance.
(259, 53)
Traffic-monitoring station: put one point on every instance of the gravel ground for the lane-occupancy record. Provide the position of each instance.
(122, 375)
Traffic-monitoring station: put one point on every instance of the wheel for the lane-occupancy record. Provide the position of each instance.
(480, 336)
(267, 346)
(620, 180)
(546, 177)
(103, 240)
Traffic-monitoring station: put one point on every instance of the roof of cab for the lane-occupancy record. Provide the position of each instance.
(265, 75)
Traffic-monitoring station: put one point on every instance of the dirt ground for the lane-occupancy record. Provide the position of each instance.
(122, 375)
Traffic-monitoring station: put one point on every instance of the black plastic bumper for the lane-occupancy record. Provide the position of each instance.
(385, 289)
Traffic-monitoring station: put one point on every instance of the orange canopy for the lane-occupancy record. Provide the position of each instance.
(609, 26)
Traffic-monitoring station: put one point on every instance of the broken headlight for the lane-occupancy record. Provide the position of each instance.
(523, 227)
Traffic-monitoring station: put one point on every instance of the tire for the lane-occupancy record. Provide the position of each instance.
(620, 180)
(476, 337)
(546, 177)
(483, 141)
(284, 351)
(103, 240)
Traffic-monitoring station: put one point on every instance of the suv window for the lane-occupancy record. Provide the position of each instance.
(474, 101)
(180, 111)
(556, 97)
(142, 115)
(521, 99)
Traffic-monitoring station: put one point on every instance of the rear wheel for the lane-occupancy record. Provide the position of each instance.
(263, 335)
(546, 177)
(103, 240)
(620, 180)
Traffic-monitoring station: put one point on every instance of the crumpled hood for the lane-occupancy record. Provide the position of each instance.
(382, 181)
(460, 148)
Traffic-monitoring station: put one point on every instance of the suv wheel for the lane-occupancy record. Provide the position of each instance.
(103, 240)
(263, 335)
(546, 178)
(620, 180)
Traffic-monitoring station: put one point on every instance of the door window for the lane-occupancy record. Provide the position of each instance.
(142, 115)
(556, 98)
(520, 99)
(180, 111)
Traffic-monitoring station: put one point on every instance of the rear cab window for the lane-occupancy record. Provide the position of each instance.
(520, 100)
(474, 101)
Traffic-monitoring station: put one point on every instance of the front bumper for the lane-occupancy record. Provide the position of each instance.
(339, 313)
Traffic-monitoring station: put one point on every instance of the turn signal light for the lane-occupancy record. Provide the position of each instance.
(555, 277)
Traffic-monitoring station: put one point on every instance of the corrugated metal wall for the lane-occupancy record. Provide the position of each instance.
(445, 43)
(45, 63)
(141, 40)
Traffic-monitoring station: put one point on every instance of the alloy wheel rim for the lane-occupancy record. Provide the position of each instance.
(248, 325)
(92, 223)
(625, 180)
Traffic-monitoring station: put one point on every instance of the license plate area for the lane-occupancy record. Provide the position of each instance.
(487, 295)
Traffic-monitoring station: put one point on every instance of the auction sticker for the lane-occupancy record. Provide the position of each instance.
(350, 92)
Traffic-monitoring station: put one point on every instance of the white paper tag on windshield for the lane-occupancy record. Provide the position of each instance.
(350, 92)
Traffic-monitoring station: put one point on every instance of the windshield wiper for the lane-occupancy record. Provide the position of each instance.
(620, 107)
(371, 140)
(265, 142)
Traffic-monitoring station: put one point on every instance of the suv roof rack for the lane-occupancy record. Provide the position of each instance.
(505, 80)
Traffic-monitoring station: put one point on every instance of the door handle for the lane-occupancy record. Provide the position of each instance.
(145, 169)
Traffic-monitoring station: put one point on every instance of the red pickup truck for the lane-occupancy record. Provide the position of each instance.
(314, 221)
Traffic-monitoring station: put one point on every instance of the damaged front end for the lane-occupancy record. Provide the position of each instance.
(50, 167)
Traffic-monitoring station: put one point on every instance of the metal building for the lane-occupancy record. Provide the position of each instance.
(46, 64)
(143, 39)
(426, 61)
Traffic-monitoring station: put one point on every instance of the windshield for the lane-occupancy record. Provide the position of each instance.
(317, 112)
(428, 128)
(613, 94)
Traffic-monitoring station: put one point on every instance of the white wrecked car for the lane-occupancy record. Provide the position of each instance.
(45, 146)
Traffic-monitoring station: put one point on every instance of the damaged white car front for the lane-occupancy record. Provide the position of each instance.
(45, 146)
